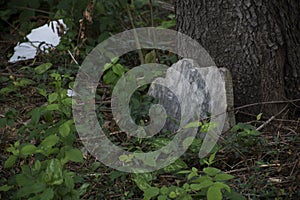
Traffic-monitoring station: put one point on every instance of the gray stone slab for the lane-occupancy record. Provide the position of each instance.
(193, 88)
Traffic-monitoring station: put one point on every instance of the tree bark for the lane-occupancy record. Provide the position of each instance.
(258, 41)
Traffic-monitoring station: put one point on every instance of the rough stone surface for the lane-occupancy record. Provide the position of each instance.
(178, 106)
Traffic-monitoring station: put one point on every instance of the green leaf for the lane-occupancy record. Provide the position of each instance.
(52, 97)
(53, 175)
(195, 124)
(114, 60)
(42, 92)
(22, 82)
(175, 166)
(49, 141)
(142, 180)
(241, 126)
(222, 186)
(107, 66)
(214, 193)
(258, 117)
(17, 144)
(5, 188)
(42, 68)
(48, 194)
(211, 171)
(31, 189)
(158, 143)
(194, 169)
(8, 89)
(37, 165)
(169, 24)
(64, 129)
(10, 161)
(69, 181)
(25, 179)
(186, 186)
(12, 149)
(164, 190)
(83, 188)
(202, 185)
(150, 57)
(195, 187)
(74, 155)
(123, 158)
(110, 78)
(184, 172)
(150, 160)
(223, 177)
(35, 116)
(52, 107)
(162, 197)
(188, 141)
(172, 195)
(192, 175)
(254, 133)
(151, 192)
(28, 149)
(203, 178)
(56, 76)
(118, 69)
(211, 158)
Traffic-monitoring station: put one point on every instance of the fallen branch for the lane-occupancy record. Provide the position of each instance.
(269, 120)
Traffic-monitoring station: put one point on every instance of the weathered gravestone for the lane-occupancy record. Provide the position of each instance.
(204, 92)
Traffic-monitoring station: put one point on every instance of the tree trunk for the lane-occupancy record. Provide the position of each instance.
(258, 41)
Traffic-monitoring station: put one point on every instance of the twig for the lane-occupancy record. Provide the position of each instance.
(269, 120)
(289, 129)
(73, 57)
(103, 102)
(254, 104)
(281, 120)
(296, 163)
(265, 102)
(15, 75)
(238, 170)
(249, 168)
(166, 6)
(116, 132)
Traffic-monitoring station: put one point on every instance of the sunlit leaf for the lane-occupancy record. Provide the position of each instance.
(42, 68)
(118, 69)
(52, 97)
(211, 171)
(28, 149)
(214, 193)
(10, 161)
(64, 129)
(74, 155)
(151, 192)
(258, 117)
(49, 141)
